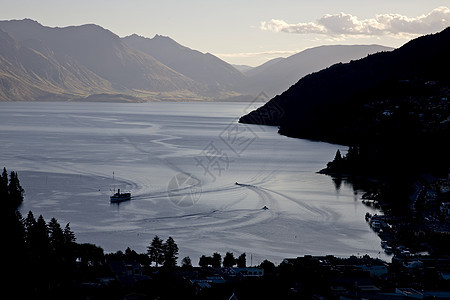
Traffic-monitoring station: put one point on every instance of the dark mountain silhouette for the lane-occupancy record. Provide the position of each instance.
(277, 75)
(391, 104)
(202, 67)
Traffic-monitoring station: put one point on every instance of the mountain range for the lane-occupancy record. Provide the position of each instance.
(91, 63)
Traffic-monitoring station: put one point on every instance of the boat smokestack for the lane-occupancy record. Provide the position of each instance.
(118, 191)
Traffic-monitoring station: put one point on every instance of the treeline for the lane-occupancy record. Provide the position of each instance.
(165, 255)
(229, 260)
(39, 256)
(11, 192)
(43, 258)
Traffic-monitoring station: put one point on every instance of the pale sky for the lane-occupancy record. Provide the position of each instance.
(247, 32)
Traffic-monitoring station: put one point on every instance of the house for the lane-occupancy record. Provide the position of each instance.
(248, 272)
(127, 272)
(375, 270)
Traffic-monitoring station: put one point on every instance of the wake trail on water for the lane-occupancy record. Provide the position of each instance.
(302, 204)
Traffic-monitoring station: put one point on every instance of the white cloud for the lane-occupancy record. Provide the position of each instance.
(348, 25)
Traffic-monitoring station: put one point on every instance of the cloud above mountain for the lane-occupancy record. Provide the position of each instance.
(343, 24)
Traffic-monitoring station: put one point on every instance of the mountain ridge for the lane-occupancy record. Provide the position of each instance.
(89, 60)
(391, 104)
(277, 75)
(202, 67)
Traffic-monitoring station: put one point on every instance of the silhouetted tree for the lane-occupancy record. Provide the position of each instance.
(205, 261)
(338, 156)
(4, 194)
(186, 263)
(11, 194)
(352, 154)
(229, 260)
(156, 251)
(268, 266)
(15, 190)
(69, 236)
(241, 261)
(89, 254)
(15, 236)
(216, 260)
(56, 237)
(42, 241)
(170, 253)
(30, 227)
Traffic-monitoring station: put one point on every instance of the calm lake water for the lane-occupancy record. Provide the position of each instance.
(181, 162)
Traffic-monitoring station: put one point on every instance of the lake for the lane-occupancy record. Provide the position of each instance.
(194, 173)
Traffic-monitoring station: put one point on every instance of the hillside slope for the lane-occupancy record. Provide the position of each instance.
(103, 52)
(392, 104)
(29, 70)
(202, 67)
(277, 75)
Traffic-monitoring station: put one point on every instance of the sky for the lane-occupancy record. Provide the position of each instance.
(247, 32)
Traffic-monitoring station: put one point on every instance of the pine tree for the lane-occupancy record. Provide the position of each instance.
(156, 251)
(15, 190)
(4, 193)
(56, 237)
(42, 241)
(30, 227)
(338, 156)
(170, 253)
(69, 236)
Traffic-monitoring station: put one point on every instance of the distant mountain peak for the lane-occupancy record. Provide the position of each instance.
(160, 36)
(203, 67)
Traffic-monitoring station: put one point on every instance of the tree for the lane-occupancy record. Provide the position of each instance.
(30, 227)
(268, 266)
(14, 237)
(69, 236)
(216, 260)
(229, 260)
(89, 254)
(338, 156)
(15, 190)
(186, 263)
(56, 237)
(4, 194)
(11, 195)
(352, 154)
(241, 262)
(205, 261)
(156, 251)
(42, 241)
(170, 253)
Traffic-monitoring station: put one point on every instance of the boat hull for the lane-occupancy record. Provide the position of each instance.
(116, 198)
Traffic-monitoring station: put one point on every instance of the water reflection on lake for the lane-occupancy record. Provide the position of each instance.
(181, 162)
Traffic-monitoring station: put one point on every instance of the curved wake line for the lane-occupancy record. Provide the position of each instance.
(300, 203)
(259, 190)
(173, 192)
